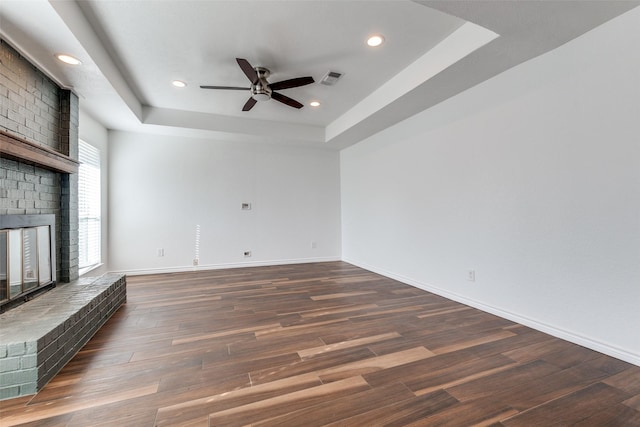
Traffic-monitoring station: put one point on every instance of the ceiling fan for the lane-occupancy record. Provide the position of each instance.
(261, 89)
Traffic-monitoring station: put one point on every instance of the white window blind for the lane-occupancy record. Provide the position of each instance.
(89, 205)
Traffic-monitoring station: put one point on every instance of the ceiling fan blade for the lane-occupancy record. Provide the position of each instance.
(249, 104)
(286, 100)
(248, 70)
(287, 84)
(225, 87)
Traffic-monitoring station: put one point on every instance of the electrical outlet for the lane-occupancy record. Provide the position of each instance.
(160, 252)
(246, 206)
(196, 261)
(471, 275)
(314, 245)
(247, 254)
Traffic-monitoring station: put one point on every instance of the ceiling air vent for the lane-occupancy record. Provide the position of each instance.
(331, 78)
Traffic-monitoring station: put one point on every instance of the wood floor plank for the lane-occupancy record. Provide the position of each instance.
(373, 364)
(340, 295)
(172, 414)
(618, 415)
(309, 352)
(231, 332)
(237, 365)
(572, 408)
(42, 411)
(472, 342)
(335, 410)
(627, 380)
(321, 344)
(55, 421)
(633, 402)
(534, 392)
(275, 406)
(316, 364)
(121, 415)
(340, 310)
(570, 356)
(402, 413)
(440, 372)
(271, 346)
(537, 350)
(474, 413)
(503, 381)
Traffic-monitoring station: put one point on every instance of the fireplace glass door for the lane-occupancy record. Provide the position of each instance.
(25, 261)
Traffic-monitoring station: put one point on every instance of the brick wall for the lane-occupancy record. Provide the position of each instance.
(33, 107)
(30, 100)
(69, 252)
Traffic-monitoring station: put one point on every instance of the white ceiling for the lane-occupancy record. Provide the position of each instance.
(132, 50)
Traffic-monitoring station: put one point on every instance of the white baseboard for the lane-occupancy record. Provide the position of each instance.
(183, 269)
(587, 342)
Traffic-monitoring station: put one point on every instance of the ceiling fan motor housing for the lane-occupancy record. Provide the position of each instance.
(260, 91)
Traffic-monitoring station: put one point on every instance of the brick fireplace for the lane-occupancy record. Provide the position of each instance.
(38, 177)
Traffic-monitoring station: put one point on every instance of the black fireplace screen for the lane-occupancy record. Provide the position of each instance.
(27, 254)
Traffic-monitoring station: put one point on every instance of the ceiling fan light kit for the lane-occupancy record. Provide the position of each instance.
(261, 89)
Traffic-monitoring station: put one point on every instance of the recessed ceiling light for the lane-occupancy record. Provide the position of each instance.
(179, 83)
(68, 59)
(376, 40)
(314, 103)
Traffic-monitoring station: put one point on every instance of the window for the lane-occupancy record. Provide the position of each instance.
(89, 206)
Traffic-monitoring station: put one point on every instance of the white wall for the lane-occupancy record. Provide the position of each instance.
(162, 187)
(532, 179)
(92, 132)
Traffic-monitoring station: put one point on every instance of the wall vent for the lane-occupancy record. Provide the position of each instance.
(331, 78)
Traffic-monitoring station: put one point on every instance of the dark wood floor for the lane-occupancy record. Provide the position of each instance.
(322, 344)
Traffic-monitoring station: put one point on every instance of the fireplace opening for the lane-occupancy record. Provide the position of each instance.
(27, 257)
